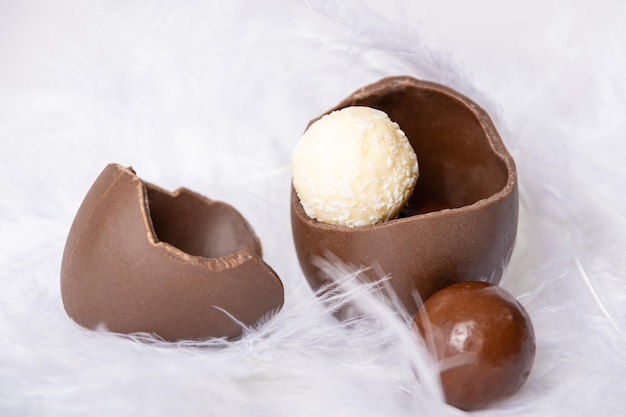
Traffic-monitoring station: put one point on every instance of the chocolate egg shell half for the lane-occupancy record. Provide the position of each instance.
(461, 221)
(484, 340)
(141, 259)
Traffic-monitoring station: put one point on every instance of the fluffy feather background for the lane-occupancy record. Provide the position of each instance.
(212, 96)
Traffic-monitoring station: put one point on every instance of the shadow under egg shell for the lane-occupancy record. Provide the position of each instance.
(460, 223)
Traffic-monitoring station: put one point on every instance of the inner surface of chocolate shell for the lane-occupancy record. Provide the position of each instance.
(185, 220)
(176, 265)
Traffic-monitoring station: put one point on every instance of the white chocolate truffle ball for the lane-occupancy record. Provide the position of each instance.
(354, 167)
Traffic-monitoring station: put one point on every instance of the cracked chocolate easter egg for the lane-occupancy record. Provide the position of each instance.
(176, 265)
(460, 222)
(482, 338)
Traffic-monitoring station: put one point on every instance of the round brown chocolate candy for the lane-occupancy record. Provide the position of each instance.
(482, 338)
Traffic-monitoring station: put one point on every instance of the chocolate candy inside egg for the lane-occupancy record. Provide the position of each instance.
(354, 167)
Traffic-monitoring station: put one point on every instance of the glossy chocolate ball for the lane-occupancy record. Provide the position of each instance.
(483, 340)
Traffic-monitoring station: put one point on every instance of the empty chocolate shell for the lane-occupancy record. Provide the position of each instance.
(176, 265)
(461, 221)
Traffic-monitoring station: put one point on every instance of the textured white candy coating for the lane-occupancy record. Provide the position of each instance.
(354, 167)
